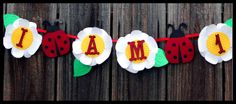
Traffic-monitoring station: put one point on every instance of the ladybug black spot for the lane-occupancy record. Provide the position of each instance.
(169, 52)
(183, 43)
(49, 39)
(185, 56)
(190, 50)
(59, 37)
(61, 49)
(173, 44)
(52, 51)
(65, 42)
(175, 57)
(46, 47)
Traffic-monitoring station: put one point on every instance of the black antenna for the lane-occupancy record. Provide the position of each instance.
(171, 26)
(176, 33)
(49, 27)
(182, 25)
(46, 24)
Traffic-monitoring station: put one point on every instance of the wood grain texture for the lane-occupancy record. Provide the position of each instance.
(197, 80)
(32, 78)
(94, 85)
(178, 78)
(228, 66)
(43, 78)
(148, 84)
(206, 14)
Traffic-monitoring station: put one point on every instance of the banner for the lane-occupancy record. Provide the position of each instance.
(135, 51)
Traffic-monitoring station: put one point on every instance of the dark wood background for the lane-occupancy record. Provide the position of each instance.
(43, 78)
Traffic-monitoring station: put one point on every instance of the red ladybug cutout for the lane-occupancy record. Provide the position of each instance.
(55, 42)
(179, 48)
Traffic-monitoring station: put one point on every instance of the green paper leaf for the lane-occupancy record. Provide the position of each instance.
(80, 69)
(229, 22)
(160, 59)
(9, 19)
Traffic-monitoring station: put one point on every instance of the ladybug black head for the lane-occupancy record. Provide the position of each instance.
(51, 28)
(177, 32)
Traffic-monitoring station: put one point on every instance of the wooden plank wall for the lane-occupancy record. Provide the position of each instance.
(42, 78)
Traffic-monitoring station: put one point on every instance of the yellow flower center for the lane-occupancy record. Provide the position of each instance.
(93, 45)
(136, 49)
(22, 38)
(218, 43)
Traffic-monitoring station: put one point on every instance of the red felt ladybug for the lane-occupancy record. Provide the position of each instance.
(179, 48)
(55, 42)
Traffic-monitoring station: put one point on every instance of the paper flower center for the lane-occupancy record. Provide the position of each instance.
(92, 45)
(218, 43)
(137, 51)
(22, 38)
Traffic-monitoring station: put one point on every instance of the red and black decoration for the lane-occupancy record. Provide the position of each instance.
(178, 47)
(55, 41)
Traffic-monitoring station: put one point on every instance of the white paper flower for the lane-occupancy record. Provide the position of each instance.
(103, 44)
(215, 43)
(123, 51)
(22, 37)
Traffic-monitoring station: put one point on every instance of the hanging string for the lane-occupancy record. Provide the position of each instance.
(69, 35)
(72, 36)
(195, 35)
(161, 39)
(115, 40)
(41, 30)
